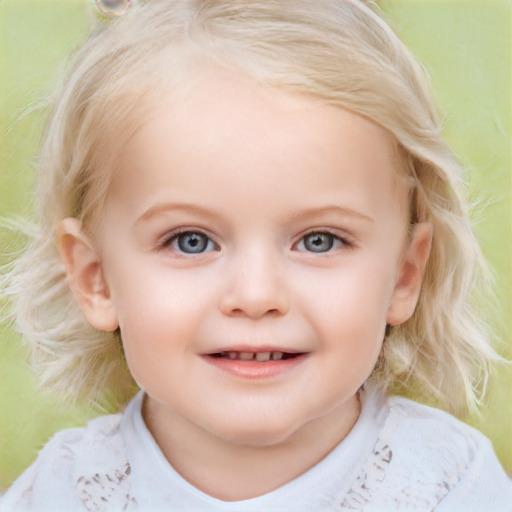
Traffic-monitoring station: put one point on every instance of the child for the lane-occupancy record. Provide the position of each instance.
(260, 224)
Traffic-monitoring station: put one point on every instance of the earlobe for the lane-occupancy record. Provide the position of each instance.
(85, 275)
(410, 276)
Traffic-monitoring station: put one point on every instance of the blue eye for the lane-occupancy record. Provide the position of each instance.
(319, 242)
(192, 242)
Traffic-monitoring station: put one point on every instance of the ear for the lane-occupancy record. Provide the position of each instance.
(410, 275)
(85, 275)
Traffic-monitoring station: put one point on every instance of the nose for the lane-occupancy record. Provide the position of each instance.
(255, 288)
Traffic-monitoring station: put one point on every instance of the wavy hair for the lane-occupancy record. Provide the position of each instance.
(338, 50)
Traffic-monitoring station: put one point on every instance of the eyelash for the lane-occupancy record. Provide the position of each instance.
(174, 238)
(334, 241)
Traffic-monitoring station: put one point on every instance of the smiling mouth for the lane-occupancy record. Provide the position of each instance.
(261, 366)
(260, 357)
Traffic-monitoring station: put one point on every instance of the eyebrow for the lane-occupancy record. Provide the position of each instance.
(294, 217)
(169, 207)
(324, 210)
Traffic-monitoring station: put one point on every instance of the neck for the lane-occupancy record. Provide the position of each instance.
(233, 471)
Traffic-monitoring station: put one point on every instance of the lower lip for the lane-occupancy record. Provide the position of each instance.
(255, 369)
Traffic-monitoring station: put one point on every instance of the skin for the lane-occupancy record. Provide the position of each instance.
(253, 171)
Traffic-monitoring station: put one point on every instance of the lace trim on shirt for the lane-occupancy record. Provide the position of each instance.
(103, 447)
(368, 480)
(106, 492)
(381, 486)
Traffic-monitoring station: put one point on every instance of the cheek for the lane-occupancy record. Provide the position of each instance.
(349, 316)
(355, 297)
(159, 308)
(154, 326)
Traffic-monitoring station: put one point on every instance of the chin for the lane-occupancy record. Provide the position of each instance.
(258, 433)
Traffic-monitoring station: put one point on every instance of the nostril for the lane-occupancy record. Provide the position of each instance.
(254, 312)
(254, 298)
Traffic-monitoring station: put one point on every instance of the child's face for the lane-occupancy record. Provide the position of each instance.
(245, 222)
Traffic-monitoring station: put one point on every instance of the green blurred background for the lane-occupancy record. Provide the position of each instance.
(466, 48)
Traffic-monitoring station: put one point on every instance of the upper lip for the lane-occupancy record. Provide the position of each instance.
(255, 349)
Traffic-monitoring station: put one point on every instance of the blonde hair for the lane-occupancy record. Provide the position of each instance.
(338, 50)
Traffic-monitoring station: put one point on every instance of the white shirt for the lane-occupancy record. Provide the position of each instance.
(400, 455)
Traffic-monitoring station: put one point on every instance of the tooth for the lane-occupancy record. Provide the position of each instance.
(246, 356)
(263, 356)
(276, 356)
(232, 355)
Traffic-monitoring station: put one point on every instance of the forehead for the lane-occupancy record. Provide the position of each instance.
(224, 129)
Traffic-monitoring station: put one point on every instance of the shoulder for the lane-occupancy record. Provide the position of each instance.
(449, 456)
(425, 458)
(432, 435)
(62, 474)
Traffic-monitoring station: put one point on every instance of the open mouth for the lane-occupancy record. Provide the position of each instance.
(261, 357)
(261, 365)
